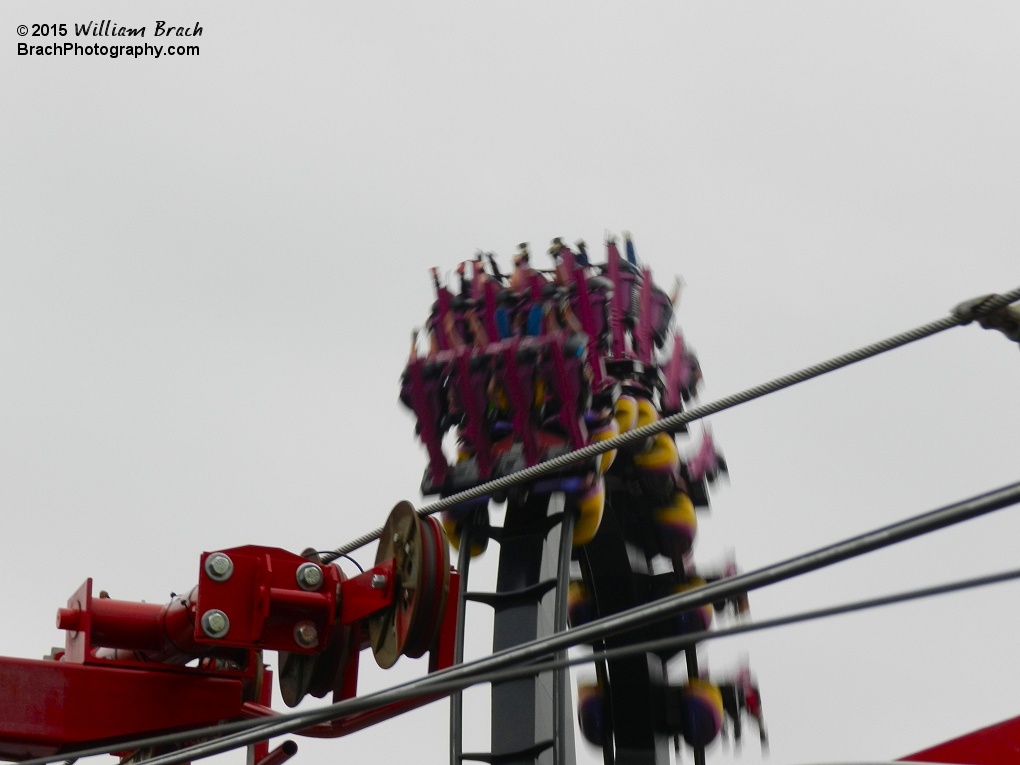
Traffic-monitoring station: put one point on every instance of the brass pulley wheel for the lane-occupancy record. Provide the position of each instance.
(421, 582)
(401, 540)
(316, 674)
(428, 616)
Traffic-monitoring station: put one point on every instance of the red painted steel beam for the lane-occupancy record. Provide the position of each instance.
(63, 703)
(280, 755)
(997, 744)
(112, 685)
(359, 598)
(440, 657)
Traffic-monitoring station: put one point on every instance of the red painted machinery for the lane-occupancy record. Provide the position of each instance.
(135, 669)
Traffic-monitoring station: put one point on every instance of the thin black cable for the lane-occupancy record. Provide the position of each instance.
(960, 316)
(360, 567)
(323, 553)
(626, 620)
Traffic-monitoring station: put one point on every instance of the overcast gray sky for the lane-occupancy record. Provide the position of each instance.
(209, 267)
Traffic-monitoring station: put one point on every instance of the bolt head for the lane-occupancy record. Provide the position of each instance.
(309, 576)
(378, 581)
(219, 567)
(305, 635)
(215, 623)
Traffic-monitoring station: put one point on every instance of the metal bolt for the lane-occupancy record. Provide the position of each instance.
(396, 538)
(378, 581)
(305, 635)
(215, 623)
(309, 576)
(219, 567)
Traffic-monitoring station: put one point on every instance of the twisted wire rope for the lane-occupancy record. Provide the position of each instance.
(247, 731)
(233, 735)
(963, 314)
(526, 669)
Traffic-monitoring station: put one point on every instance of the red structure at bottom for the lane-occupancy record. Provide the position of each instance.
(997, 744)
(132, 670)
(57, 703)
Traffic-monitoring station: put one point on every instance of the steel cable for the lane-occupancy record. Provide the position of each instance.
(960, 316)
(650, 646)
(453, 678)
(975, 310)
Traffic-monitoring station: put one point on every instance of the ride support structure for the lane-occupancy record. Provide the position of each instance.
(521, 371)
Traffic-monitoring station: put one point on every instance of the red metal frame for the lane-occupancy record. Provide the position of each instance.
(360, 598)
(60, 704)
(440, 657)
(997, 744)
(136, 669)
(264, 602)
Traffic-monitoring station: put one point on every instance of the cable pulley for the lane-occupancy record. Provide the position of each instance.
(420, 585)
(302, 674)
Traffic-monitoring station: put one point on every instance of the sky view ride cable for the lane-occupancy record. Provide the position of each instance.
(245, 732)
(679, 641)
(661, 644)
(963, 314)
